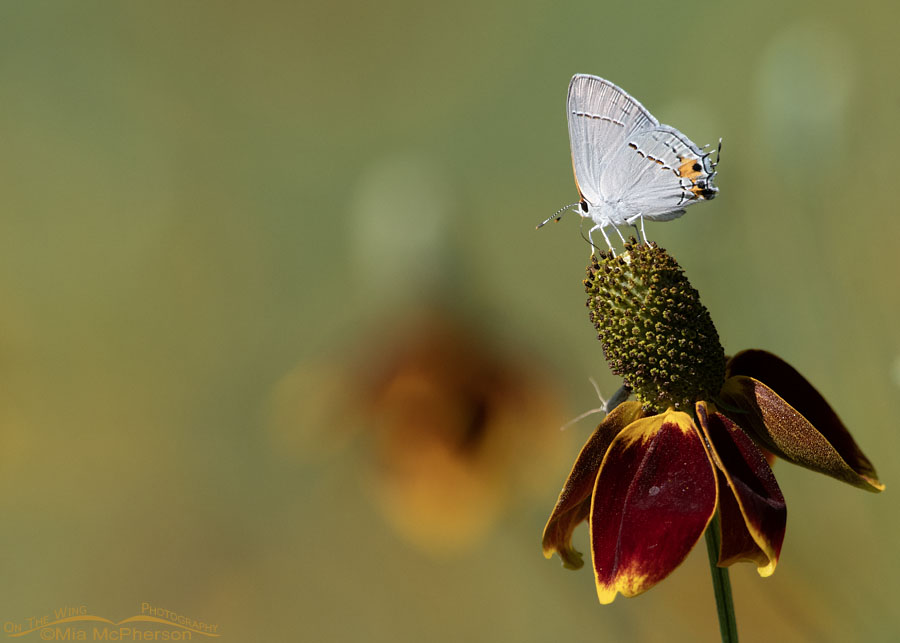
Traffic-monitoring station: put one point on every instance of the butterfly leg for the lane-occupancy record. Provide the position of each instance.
(605, 238)
(642, 236)
(620, 234)
(637, 231)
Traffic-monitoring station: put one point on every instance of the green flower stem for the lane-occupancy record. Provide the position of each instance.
(721, 584)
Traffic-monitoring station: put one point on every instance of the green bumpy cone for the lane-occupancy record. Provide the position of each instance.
(655, 332)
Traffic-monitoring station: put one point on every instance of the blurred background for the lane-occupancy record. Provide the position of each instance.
(281, 349)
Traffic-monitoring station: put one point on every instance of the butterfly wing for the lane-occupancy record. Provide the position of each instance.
(601, 117)
(657, 172)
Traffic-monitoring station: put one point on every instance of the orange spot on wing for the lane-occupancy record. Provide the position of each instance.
(690, 168)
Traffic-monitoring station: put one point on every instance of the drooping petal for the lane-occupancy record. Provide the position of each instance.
(654, 497)
(825, 446)
(735, 542)
(574, 501)
(751, 506)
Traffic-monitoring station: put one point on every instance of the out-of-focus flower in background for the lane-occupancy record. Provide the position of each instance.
(457, 427)
(453, 427)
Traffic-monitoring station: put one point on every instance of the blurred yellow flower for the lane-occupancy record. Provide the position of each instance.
(457, 427)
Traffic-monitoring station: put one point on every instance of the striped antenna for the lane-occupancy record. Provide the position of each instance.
(558, 215)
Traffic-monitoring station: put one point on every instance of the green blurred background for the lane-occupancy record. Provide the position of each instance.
(207, 207)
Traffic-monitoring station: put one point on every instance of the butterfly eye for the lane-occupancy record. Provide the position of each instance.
(584, 206)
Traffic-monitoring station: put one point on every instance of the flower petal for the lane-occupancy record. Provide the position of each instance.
(574, 501)
(818, 441)
(655, 495)
(752, 508)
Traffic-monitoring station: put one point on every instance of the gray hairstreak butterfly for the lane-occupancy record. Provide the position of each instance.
(629, 167)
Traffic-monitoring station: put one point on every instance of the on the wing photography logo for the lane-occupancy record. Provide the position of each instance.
(77, 623)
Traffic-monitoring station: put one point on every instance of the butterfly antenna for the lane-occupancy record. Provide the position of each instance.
(600, 409)
(605, 407)
(558, 215)
(718, 153)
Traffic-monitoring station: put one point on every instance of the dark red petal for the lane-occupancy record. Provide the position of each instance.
(786, 432)
(752, 509)
(736, 543)
(655, 495)
(574, 501)
(793, 388)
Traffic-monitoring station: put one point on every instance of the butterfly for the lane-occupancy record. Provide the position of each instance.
(628, 167)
